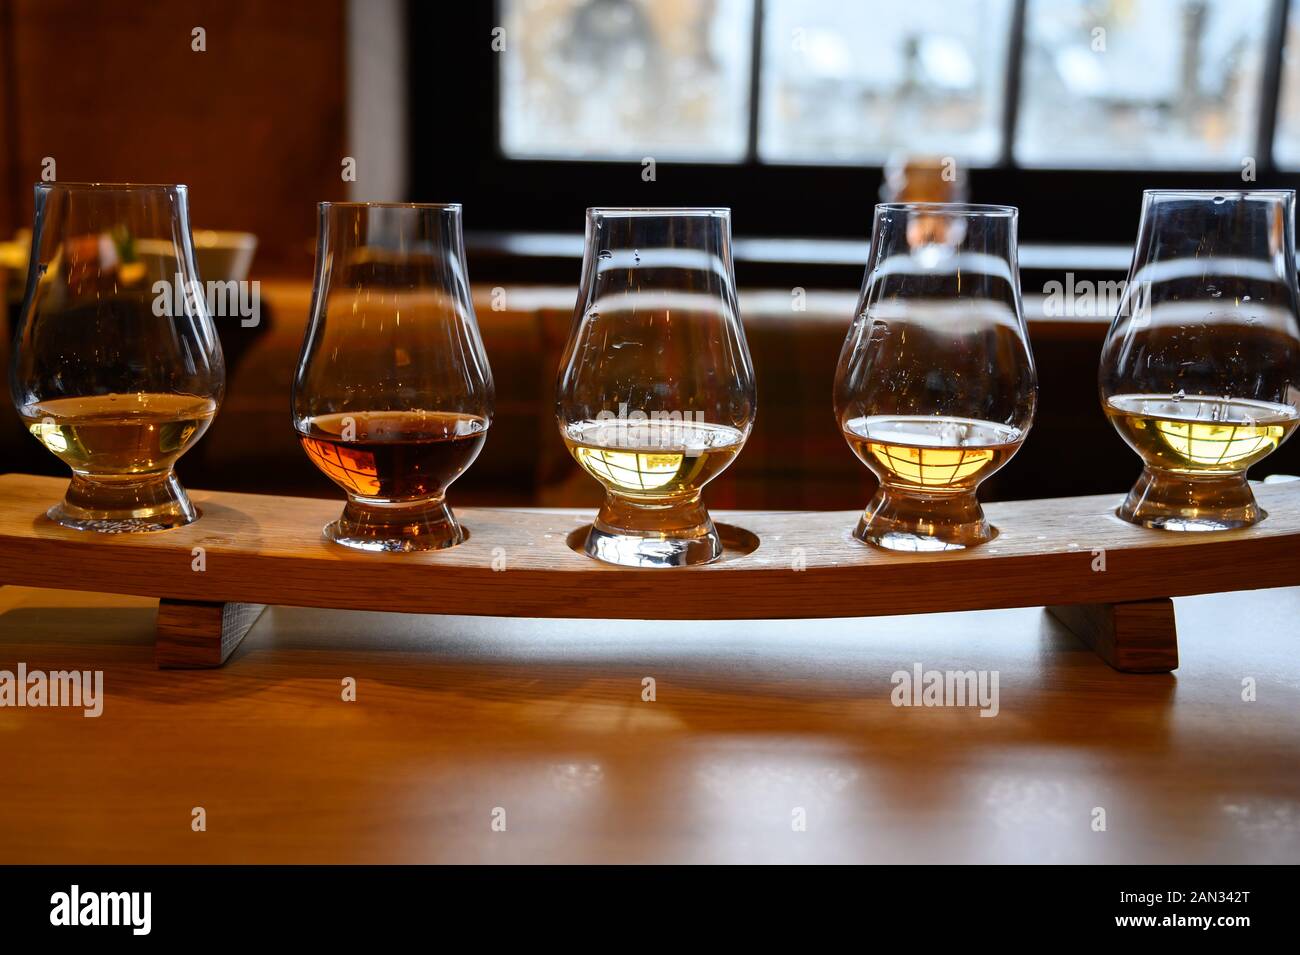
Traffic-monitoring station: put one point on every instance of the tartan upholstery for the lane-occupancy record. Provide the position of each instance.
(795, 458)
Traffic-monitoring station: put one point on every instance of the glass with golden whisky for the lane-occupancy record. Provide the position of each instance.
(393, 395)
(935, 388)
(656, 390)
(1200, 373)
(117, 368)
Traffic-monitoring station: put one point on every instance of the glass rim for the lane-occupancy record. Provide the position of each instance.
(649, 211)
(434, 206)
(952, 208)
(1225, 193)
(111, 186)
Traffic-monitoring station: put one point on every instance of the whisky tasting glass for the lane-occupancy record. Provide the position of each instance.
(656, 390)
(935, 388)
(1200, 369)
(393, 395)
(117, 368)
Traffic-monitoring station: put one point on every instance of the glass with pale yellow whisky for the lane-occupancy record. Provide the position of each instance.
(118, 370)
(656, 393)
(1200, 368)
(935, 388)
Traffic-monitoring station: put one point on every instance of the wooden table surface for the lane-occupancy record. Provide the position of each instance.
(753, 724)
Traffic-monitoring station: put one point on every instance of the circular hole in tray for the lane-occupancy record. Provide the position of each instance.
(736, 542)
(850, 536)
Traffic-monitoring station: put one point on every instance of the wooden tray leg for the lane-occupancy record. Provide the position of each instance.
(1136, 637)
(192, 634)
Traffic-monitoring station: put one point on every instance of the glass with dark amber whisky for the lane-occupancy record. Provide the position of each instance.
(656, 393)
(118, 369)
(935, 388)
(1200, 373)
(393, 396)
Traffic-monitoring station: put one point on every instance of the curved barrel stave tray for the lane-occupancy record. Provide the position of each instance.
(1108, 581)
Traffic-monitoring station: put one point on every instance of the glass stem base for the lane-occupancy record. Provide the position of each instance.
(897, 520)
(642, 534)
(1191, 502)
(403, 526)
(124, 504)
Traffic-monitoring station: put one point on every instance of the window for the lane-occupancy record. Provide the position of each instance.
(844, 82)
(1141, 83)
(1286, 144)
(625, 79)
(1055, 84)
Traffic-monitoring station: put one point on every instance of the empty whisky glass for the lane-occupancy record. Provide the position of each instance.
(656, 390)
(1201, 367)
(393, 395)
(935, 388)
(117, 368)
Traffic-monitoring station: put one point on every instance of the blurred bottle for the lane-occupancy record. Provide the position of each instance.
(926, 179)
(917, 178)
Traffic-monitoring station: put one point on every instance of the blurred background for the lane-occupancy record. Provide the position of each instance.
(798, 114)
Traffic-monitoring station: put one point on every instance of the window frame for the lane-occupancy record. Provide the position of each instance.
(769, 198)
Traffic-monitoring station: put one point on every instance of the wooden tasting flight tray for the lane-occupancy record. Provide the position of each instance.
(262, 549)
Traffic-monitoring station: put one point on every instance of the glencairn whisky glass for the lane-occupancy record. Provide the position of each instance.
(393, 395)
(656, 390)
(1201, 369)
(935, 388)
(117, 368)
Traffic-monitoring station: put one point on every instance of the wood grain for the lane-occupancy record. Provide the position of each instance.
(456, 716)
(257, 137)
(192, 634)
(262, 549)
(1135, 637)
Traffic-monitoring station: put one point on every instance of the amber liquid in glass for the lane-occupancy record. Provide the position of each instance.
(931, 453)
(119, 434)
(1199, 434)
(394, 455)
(659, 460)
